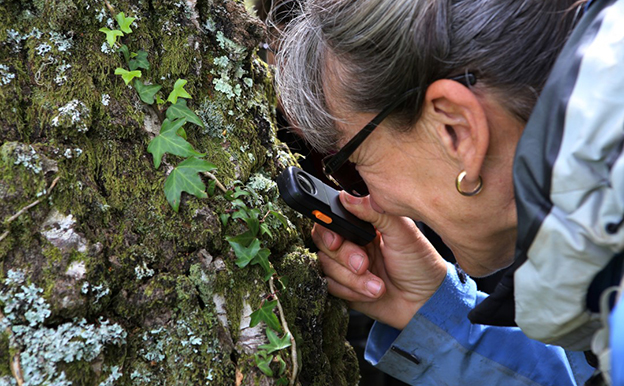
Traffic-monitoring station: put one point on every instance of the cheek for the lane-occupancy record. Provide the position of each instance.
(376, 207)
(391, 197)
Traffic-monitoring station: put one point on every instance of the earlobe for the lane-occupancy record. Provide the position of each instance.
(460, 125)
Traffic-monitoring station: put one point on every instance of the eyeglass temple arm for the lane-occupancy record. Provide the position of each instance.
(468, 79)
(343, 155)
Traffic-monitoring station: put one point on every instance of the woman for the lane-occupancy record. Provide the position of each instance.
(449, 87)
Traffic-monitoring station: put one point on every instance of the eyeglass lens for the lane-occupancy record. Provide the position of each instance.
(348, 178)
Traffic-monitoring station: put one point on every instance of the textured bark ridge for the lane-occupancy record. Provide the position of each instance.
(101, 282)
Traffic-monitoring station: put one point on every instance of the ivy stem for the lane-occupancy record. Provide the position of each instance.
(24, 209)
(110, 8)
(214, 178)
(159, 113)
(16, 369)
(293, 344)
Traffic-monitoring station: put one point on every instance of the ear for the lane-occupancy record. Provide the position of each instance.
(460, 124)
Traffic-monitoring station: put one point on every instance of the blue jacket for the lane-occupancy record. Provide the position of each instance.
(441, 347)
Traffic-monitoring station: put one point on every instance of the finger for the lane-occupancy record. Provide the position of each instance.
(364, 287)
(331, 240)
(344, 252)
(342, 292)
(400, 232)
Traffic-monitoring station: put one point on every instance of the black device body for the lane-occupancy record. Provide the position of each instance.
(314, 199)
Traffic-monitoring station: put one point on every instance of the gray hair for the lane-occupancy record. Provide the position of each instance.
(386, 47)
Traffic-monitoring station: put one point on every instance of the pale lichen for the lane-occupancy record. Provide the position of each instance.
(105, 99)
(73, 114)
(107, 49)
(28, 158)
(76, 270)
(114, 375)
(101, 14)
(44, 350)
(43, 49)
(63, 43)
(216, 125)
(60, 231)
(61, 73)
(142, 271)
(6, 76)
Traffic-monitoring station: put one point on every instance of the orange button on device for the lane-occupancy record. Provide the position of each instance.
(323, 217)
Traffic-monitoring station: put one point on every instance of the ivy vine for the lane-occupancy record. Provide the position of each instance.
(172, 137)
(247, 246)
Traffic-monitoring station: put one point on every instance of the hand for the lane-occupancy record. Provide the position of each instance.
(389, 279)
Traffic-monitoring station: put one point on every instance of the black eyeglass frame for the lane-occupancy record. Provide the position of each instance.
(333, 162)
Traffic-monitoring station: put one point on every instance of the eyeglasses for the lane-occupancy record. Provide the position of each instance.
(339, 169)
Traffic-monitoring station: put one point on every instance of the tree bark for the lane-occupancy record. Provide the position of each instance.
(101, 281)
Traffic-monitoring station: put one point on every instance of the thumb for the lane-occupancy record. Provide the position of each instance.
(396, 230)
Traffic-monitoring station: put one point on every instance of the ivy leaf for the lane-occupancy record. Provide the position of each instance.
(238, 204)
(169, 142)
(280, 217)
(253, 224)
(211, 187)
(176, 125)
(146, 92)
(241, 213)
(169, 125)
(224, 217)
(125, 51)
(184, 178)
(139, 61)
(229, 195)
(266, 315)
(245, 254)
(263, 362)
(283, 381)
(181, 110)
(111, 35)
(264, 230)
(124, 22)
(275, 343)
(239, 192)
(282, 368)
(178, 92)
(127, 75)
(243, 239)
(262, 258)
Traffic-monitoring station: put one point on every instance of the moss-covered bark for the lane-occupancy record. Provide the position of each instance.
(102, 282)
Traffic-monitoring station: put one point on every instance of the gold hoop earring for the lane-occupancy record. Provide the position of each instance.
(458, 181)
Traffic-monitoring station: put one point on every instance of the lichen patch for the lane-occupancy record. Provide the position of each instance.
(59, 230)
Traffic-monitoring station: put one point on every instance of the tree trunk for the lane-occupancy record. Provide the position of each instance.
(101, 281)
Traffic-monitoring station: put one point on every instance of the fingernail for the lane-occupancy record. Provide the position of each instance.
(328, 237)
(355, 261)
(353, 199)
(373, 286)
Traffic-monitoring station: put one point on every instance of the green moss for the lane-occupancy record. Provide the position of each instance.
(22, 182)
(80, 373)
(328, 360)
(177, 55)
(53, 255)
(5, 359)
(152, 261)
